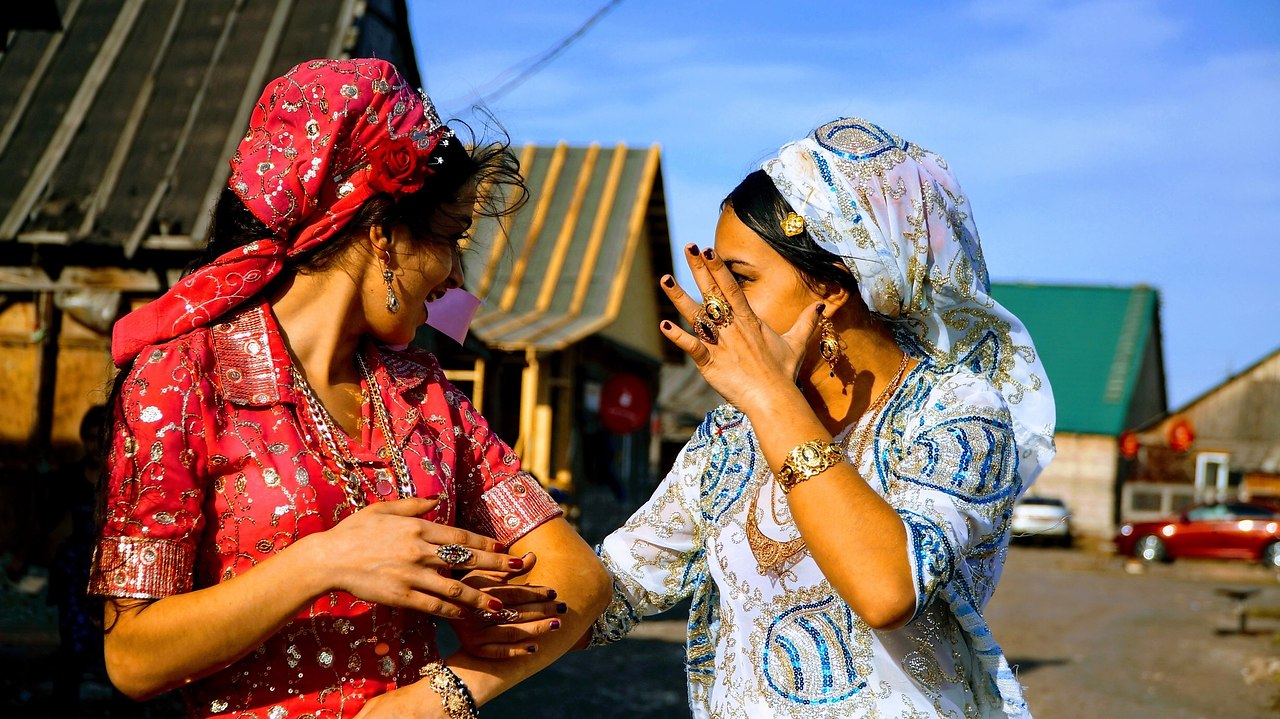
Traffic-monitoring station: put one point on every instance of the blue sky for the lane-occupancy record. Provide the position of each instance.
(1113, 142)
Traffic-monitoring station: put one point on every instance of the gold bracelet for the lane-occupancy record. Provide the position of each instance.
(454, 694)
(807, 461)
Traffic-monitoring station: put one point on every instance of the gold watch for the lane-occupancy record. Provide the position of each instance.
(807, 461)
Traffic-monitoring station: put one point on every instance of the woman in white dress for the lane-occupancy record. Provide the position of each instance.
(842, 521)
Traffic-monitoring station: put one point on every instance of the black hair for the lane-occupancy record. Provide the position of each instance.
(759, 205)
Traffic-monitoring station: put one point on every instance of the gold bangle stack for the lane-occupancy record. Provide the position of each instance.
(807, 461)
(454, 695)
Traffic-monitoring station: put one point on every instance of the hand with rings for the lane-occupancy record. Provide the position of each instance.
(388, 554)
(740, 356)
(529, 612)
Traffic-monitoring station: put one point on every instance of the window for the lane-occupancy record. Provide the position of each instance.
(1208, 513)
(1249, 511)
(1212, 469)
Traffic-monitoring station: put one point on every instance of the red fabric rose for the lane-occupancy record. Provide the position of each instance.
(397, 169)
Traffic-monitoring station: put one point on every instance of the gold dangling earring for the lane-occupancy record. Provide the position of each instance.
(829, 344)
(393, 302)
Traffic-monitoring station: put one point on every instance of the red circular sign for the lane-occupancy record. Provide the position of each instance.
(625, 403)
(1181, 435)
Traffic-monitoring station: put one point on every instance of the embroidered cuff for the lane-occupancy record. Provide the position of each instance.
(141, 568)
(931, 556)
(512, 508)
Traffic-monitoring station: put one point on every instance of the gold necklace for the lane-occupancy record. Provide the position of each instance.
(772, 554)
(326, 427)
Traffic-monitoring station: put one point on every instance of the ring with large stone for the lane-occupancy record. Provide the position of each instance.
(502, 616)
(704, 328)
(718, 310)
(453, 554)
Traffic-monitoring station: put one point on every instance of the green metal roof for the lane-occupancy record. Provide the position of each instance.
(1092, 341)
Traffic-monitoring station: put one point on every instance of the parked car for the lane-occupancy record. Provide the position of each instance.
(1226, 530)
(1043, 519)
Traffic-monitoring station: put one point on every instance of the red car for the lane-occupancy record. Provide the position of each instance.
(1230, 530)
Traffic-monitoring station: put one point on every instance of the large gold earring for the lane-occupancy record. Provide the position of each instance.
(830, 345)
(393, 302)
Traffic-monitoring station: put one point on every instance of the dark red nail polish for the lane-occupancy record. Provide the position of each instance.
(500, 548)
(533, 648)
(495, 605)
(666, 325)
(515, 563)
(668, 281)
(555, 624)
(709, 254)
(693, 249)
(821, 308)
(551, 594)
(561, 607)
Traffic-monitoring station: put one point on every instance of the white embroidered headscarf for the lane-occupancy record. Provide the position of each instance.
(894, 213)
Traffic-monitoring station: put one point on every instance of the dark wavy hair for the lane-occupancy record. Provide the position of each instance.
(490, 166)
(759, 205)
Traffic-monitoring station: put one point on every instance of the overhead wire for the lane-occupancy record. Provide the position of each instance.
(534, 66)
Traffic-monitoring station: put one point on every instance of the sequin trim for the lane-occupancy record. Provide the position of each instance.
(141, 568)
(512, 508)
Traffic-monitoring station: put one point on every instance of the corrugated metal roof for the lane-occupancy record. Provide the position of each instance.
(557, 271)
(1092, 341)
(117, 130)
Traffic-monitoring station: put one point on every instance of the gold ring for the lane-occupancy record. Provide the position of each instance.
(704, 328)
(718, 310)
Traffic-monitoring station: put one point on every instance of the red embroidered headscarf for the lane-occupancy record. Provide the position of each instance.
(323, 139)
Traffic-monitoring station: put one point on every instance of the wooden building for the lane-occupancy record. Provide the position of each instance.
(1222, 445)
(572, 309)
(1101, 349)
(114, 136)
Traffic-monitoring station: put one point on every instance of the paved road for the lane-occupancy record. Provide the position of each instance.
(1089, 639)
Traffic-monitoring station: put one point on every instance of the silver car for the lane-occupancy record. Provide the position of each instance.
(1042, 519)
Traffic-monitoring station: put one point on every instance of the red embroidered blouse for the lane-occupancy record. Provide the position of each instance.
(216, 466)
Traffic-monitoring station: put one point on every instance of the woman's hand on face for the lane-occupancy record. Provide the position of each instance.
(747, 361)
(385, 553)
(529, 612)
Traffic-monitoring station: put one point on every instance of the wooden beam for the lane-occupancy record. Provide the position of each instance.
(343, 30)
(37, 76)
(46, 375)
(540, 212)
(252, 91)
(551, 278)
(502, 236)
(129, 131)
(143, 226)
(35, 279)
(71, 119)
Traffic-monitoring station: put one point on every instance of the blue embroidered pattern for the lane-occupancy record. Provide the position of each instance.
(822, 628)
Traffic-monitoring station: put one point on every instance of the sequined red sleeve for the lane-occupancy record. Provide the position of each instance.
(152, 516)
(495, 497)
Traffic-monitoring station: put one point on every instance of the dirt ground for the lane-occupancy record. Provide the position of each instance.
(1089, 639)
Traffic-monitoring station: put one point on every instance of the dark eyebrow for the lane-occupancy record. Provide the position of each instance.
(736, 263)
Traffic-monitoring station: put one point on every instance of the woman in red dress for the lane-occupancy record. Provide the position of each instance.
(290, 501)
